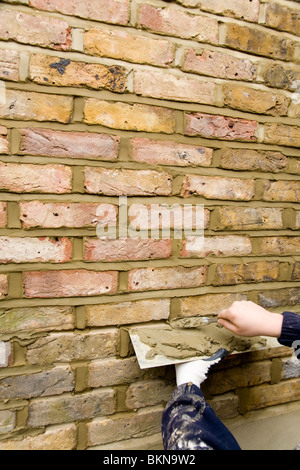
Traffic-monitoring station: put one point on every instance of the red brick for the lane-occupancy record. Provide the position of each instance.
(175, 22)
(53, 284)
(50, 143)
(170, 153)
(238, 9)
(9, 65)
(4, 145)
(3, 285)
(108, 11)
(220, 127)
(166, 278)
(34, 250)
(71, 215)
(124, 249)
(3, 214)
(35, 29)
(29, 178)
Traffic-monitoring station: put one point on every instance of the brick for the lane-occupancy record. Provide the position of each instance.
(9, 65)
(70, 215)
(108, 372)
(217, 187)
(242, 9)
(129, 47)
(278, 76)
(3, 286)
(231, 245)
(175, 22)
(296, 271)
(134, 117)
(259, 42)
(53, 284)
(220, 127)
(166, 278)
(248, 159)
(283, 18)
(156, 152)
(35, 250)
(283, 191)
(255, 101)
(40, 384)
(297, 219)
(249, 218)
(281, 134)
(225, 406)
(66, 347)
(50, 143)
(25, 28)
(290, 368)
(27, 178)
(128, 312)
(7, 421)
(59, 438)
(3, 214)
(49, 70)
(63, 409)
(270, 395)
(218, 64)
(143, 423)
(115, 182)
(168, 86)
(26, 106)
(148, 393)
(257, 271)
(205, 304)
(125, 249)
(36, 319)
(5, 354)
(278, 245)
(108, 11)
(279, 297)
(4, 144)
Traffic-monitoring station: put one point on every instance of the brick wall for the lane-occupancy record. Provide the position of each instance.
(189, 102)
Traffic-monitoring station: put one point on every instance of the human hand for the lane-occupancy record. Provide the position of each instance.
(245, 318)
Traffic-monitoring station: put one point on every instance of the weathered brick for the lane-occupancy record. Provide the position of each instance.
(248, 159)
(124, 249)
(3, 214)
(4, 144)
(166, 278)
(6, 354)
(218, 187)
(175, 22)
(114, 182)
(259, 41)
(242, 9)
(73, 214)
(66, 347)
(255, 101)
(3, 285)
(283, 18)
(50, 143)
(279, 297)
(59, 410)
(218, 64)
(282, 134)
(231, 245)
(278, 76)
(108, 372)
(143, 423)
(27, 178)
(110, 11)
(148, 393)
(36, 319)
(284, 191)
(220, 127)
(129, 47)
(296, 271)
(249, 218)
(7, 421)
(169, 86)
(48, 70)
(34, 250)
(26, 106)
(59, 438)
(25, 28)
(134, 117)
(47, 284)
(278, 245)
(160, 152)
(257, 271)
(290, 368)
(128, 312)
(225, 406)
(297, 219)
(40, 384)
(205, 304)
(9, 65)
(269, 395)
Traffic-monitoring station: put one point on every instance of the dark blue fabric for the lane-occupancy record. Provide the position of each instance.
(190, 423)
(290, 331)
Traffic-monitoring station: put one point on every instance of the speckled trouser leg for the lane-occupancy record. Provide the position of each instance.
(190, 423)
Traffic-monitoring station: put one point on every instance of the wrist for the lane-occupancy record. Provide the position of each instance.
(275, 325)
